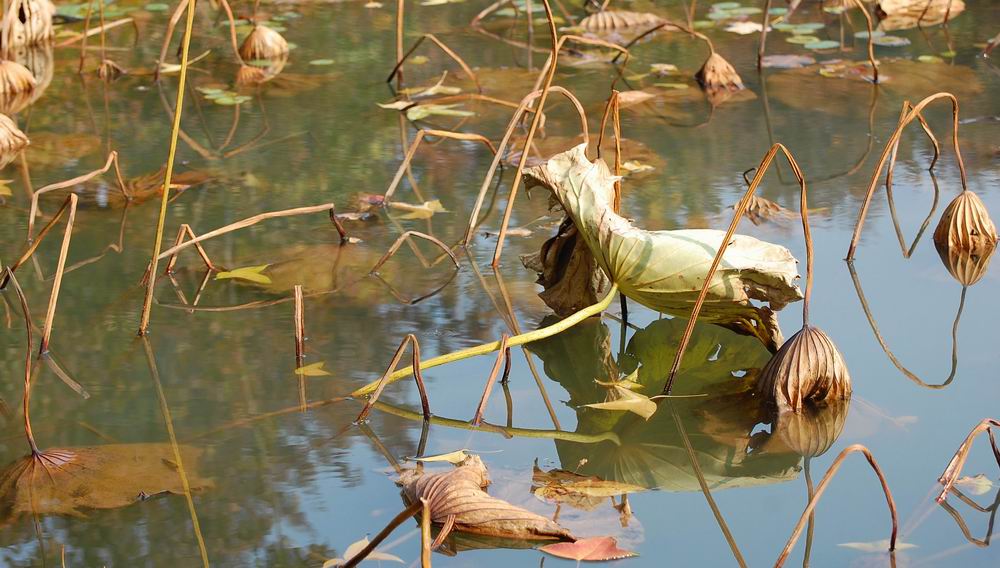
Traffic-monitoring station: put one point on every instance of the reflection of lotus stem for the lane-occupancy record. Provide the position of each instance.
(740, 209)
(506, 432)
(890, 148)
(885, 346)
(401, 58)
(399, 519)
(147, 305)
(822, 487)
(962, 526)
(514, 341)
(957, 462)
(417, 377)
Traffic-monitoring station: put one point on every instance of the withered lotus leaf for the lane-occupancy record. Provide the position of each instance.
(808, 367)
(567, 271)
(719, 75)
(263, 43)
(69, 481)
(15, 78)
(597, 549)
(966, 225)
(460, 493)
(610, 20)
(966, 267)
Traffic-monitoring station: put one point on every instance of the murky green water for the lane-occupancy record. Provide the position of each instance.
(284, 487)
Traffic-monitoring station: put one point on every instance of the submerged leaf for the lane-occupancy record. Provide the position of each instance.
(977, 484)
(629, 401)
(610, 20)
(584, 492)
(425, 210)
(249, 273)
(312, 370)
(596, 549)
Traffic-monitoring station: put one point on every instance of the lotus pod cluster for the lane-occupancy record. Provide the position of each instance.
(263, 43)
(27, 22)
(966, 226)
(808, 367)
(717, 74)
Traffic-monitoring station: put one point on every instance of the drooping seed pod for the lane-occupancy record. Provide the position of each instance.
(966, 225)
(808, 367)
(964, 266)
(12, 140)
(718, 74)
(16, 87)
(263, 43)
(27, 22)
(257, 74)
(812, 432)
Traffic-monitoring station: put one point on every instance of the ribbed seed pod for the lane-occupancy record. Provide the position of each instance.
(964, 266)
(263, 43)
(611, 20)
(12, 140)
(812, 432)
(27, 22)
(17, 86)
(808, 367)
(966, 225)
(256, 74)
(718, 74)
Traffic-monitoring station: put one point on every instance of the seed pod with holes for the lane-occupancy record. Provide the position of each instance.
(966, 226)
(263, 43)
(808, 367)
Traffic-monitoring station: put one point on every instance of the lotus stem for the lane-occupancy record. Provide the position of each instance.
(503, 356)
(399, 43)
(185, 232)
(417, 377)
(954, 468)
(423, 132)
(740, 209)
(397, 71)
(871, 39)
(425, 533)
(86, 34)
(399, 519)
(27, 364)
(300, 327)
(485, 348)
(822, 487)
(399, 242)
(111, 161)
(888, 150)
(764, 25)
(50, 313)
(147, 305)
(33, 246)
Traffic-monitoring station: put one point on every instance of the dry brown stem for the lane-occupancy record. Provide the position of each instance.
(399, 519)
(423, 132)
(954, 468)
(383, 380)
(503, 356)
(185, 232)
(402, 238)
(397, 71)
(111, 161)
(300, 327)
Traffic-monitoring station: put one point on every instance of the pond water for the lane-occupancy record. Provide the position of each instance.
(276, 484)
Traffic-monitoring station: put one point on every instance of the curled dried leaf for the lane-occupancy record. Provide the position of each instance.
(808, 367)
(567, 271)
(966, 226)
(263, 43)
(612, 20)
(460, 494)
(964, 266)
(717, 74)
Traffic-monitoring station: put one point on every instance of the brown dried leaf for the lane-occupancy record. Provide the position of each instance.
(966, 226)
(717, 74)
(461, 493)
(568, 272)
(807, 367)
(611, 20)
(597, 549)
(98, 477)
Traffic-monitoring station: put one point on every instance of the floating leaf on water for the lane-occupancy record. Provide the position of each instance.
(907, 14)
(782, 26)
(663, 68)
(890, 41)
(425, 210)
(802, 39)
(456, 457)
(157, 7)
(826, 44)
(249, 273)
(863, 34)
(672, 85)
(811, 26)
(421, 112)
(628, 401)
(745, 11)
(5, 190)
(637, 167)
(789, 61)
(744, 28)
(397, 105)
(778, 11)
(633, 97)
(418, 60)
(977, 484)
(703, 24)
(357, 547)
(321, 62)
(460, 494)
(726, 5)
(596, 549)
(876, 546)
(312, 370)
(373, 5)
(930, 59)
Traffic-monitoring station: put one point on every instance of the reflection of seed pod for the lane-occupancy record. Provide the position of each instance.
(27, 22)
(807, 367)
(964, 266)
(11, 140)
(38, 59)
(718, 74)
(263, 43)
(16, 87)
(966, 225)
(812, 432)
(258, 73)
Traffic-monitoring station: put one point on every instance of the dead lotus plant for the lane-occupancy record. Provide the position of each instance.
(954, 468)
(15, 80)
(27, 22)
(965, 224)
(263, 43)
(807, 367)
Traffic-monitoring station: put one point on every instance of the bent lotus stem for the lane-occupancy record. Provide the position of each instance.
(402, 238)
(954, 468)
(669, 24)
(50, 313)
(185, 232)
(821, 488)
(417, 377)
(890, 148)
(503, 356)
(520, 339)
(399, 519)
(612, 108)
(27, 365)
(111, 161)
(33, 245)
(964, 527)
(740, 209)
(397, 71)
(421, 134)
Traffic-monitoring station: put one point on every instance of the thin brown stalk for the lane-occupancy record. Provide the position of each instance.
(185, 232)
(765, 25)
(425, 534)
(383, 380)
(888, 150)
(668, 24)
(740, 209)
(871, 39)
(397, 71)
(94, 31)
(514, 121)
(402, 238)
(111, 161)
(232, 31)
(399, 519)
(249, 221)
(300, 327)
(86, 34)
(822, 488)
(33, 245)
(890, 171)
(423, 132)
(612, 109)
(27, 364)
(168, 35)
(964, 527)
(493, 8)
(954, 468)
(503, 356)
(400, 9)
(50, 313)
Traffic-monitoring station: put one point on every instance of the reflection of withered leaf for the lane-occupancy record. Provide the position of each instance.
(568, 272)
(460, 493)
(584, 492)
(762, 209)
(70, 480)
(908, 14)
